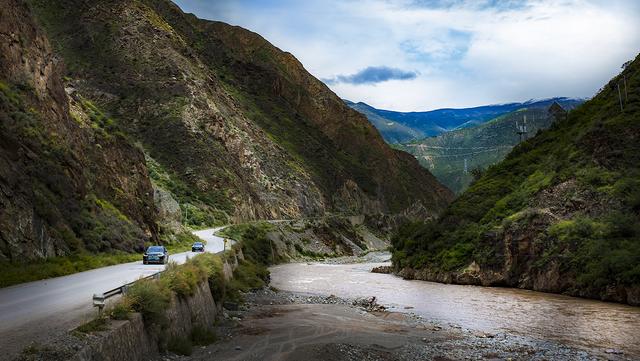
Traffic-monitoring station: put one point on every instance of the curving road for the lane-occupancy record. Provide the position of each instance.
(41, 310)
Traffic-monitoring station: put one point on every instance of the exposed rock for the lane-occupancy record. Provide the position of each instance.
(382, 269)
(168, 208)
(369, 304)
(324, 237)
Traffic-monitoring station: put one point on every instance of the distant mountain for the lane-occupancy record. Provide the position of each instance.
(391, 131)
(434, 122)
(452, 156)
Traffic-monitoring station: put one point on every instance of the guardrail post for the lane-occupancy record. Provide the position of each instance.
(99, 301)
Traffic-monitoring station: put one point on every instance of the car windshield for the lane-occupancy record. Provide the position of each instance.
(155, 249)
(197, 244)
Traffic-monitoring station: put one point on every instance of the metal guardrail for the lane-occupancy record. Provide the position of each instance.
(100, 299)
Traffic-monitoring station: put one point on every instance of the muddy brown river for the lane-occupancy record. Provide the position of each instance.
(599, 327)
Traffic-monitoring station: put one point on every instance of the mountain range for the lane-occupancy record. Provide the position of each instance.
(401, 127)
(455, 157)
(123, 119)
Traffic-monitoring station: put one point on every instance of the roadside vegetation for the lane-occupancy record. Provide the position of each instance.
(152, 297)
(15, 273)
(252, 272)
(12, 273)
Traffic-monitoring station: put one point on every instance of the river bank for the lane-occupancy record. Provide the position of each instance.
(293, 326)
(313, 317)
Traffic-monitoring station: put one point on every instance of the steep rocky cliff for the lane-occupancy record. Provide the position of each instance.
(66, 184)
(561, 213)
(240, 128)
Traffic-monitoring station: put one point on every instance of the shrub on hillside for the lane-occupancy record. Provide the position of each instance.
(151, 299)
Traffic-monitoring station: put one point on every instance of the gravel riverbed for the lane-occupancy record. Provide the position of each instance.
(278, 325)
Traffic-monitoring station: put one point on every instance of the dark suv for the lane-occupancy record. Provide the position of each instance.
(156, 254)
(197, 247)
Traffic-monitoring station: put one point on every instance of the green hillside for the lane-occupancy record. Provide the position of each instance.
(561, 213)
(479, 147)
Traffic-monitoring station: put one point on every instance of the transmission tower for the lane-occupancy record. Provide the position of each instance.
(465, 166)
(521, 130)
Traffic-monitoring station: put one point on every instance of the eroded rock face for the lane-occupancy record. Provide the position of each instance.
(329, 236)
(58, 178)
(521, 245)
(168, 208)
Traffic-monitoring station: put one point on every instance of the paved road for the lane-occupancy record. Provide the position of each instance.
(37, 311)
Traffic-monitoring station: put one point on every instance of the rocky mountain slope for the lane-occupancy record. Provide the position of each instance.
(138, 118)
(560, 214)
(239, 124)
(434, 122)
(457, 156)
(67, 183)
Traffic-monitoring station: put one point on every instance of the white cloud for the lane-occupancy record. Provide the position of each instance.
(466, 52)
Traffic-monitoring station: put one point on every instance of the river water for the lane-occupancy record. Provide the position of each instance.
(587, 324)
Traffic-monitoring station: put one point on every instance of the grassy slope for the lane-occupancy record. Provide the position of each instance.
(597, 148)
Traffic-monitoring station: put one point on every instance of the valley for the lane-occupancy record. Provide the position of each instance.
(469, 140)
(559, 214)
(333, 229)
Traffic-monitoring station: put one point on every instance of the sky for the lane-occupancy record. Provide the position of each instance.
(416, 55)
